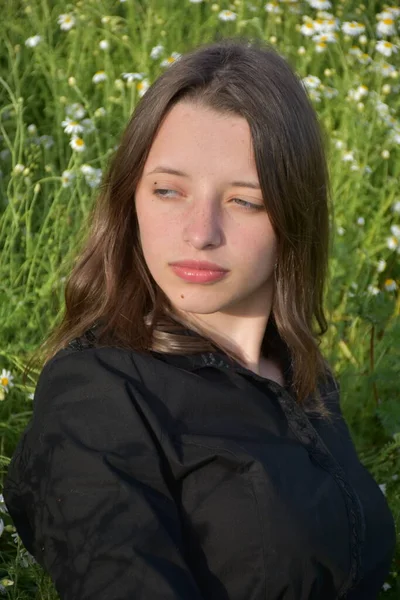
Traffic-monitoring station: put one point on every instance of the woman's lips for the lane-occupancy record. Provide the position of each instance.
(198, 275)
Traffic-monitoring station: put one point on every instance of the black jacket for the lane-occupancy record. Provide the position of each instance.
(168, 477)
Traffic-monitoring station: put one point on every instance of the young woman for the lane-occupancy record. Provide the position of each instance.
(187, 440)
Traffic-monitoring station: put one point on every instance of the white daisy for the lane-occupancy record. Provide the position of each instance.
(99, 76)
(77, 144)
(325, 37)
(227, 15)
(171, 59)
(320, 47)
(308, 29)
(381, 266)
(385, 48)
(156, 52)
(75, 111)
(92, 175)
(392, 243)
(395, 229)
(326, 25)
(330, 92)
(373, 290)
(386, 586)
(6, 379)
(71, 126)
(67, 178)
(104, 45)
(86, 169)
(385, 68)
(393, 11)
(311, 82)
(390, 286)
(385, 27)
(353, 28)
(358, 93)
(320, 4)
(3, 507)
(88, 125)
(385, 14)
(66, 21)
(355, 51)
(129, 77)
(33, 41)
(273, 7)
(315, 95)
(324, 14)
(142, 87)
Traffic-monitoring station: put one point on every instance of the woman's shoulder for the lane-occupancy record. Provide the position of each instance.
(81, 372)
(100, 392)
(84, 352)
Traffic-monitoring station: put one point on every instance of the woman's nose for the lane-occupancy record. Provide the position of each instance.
(203, 225)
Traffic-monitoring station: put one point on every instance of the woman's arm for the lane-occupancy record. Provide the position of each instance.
(91, 484)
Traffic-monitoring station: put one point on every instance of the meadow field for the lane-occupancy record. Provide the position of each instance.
(70, 76)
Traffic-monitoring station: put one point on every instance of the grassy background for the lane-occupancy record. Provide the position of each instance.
(45, 193)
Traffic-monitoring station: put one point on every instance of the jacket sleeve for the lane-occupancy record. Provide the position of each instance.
(91, 483)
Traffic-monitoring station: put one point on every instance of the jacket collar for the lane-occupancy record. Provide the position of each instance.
(218, 359)
(193, 362)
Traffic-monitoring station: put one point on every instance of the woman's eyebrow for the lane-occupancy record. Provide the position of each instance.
(164, 169)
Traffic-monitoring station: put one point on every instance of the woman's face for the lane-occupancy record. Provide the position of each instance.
(204, 215)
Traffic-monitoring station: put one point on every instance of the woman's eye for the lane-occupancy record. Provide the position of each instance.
(158, 192)
(250, 205)
(244, 203)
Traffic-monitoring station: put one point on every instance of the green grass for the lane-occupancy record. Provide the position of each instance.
(41, 210)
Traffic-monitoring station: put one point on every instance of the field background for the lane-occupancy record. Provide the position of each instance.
(70, 76)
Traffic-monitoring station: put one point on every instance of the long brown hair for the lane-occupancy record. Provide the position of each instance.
(110, 285)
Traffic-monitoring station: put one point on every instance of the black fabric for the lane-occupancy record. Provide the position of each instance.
(171, 477)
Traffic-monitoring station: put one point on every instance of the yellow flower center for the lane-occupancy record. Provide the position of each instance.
(4, 381)
(79, 142)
